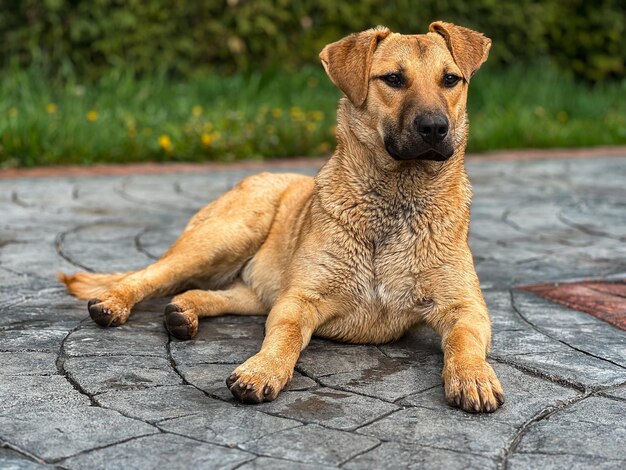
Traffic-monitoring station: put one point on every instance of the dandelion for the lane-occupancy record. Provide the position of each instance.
(324, 147)
(310, 126)
(296, 114)
(207, 127)
(316, 115)
(92, 115)
(197, 111)
(277, 113)
(206, 139)
(51, 108)
(165, 143)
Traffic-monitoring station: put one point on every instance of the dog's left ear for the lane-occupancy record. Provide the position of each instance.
(469, 48)
(348, 61)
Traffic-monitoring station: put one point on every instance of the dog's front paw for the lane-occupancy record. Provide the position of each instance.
(472, 385)
(108, 312)
(181, 323)
(259, 379)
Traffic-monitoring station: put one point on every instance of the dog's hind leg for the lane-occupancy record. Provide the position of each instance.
(182, 315)
(216, 244)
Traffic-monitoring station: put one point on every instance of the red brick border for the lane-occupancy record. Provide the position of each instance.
(162, 168)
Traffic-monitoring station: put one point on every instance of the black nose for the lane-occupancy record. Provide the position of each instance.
(433, 127)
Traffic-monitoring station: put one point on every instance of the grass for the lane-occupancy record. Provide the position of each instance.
(274, 113)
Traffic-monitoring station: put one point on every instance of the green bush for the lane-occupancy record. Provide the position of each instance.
(187, 36)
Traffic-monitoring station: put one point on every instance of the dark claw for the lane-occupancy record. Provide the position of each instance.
(171, 308)
(245, 394)
(100, 314)
(231, 380)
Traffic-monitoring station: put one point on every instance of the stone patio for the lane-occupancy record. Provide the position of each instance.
(75, 395)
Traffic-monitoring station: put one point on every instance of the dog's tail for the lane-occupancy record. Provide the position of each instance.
(89, 285)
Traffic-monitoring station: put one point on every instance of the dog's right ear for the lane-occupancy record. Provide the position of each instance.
(348, 61)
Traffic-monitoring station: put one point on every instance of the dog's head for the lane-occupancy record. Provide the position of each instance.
(410, 91)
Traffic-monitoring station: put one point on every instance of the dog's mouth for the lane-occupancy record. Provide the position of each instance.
(429, 154)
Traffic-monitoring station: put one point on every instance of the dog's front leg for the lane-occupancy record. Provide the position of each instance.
(468, 379)
(288, 330)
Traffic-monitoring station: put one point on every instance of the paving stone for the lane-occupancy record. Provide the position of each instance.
(329, 407)
(433, 423)
(562, 461)
(594, 427)
(585, 338)
(157, 403)
(221, 351)
(227, 424)
(443, 428)
(322, 358)
(416, 457)
(160, 451)
(11, 460)
(532, 221)
(27, 363)
(29, 392)
(55, 434)
(571, 366)
(311, 444)
(392, 379)
(525, 340)
(269, 463)
(42, 340)
(618, 392)
(112, 373)
(418, 345)
(99, 341)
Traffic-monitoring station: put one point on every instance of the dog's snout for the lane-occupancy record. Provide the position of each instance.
(433, 127)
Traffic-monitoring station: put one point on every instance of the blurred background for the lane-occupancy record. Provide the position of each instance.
(187, 80)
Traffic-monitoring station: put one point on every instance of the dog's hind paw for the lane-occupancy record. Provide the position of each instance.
(107, 312)
(182, 324)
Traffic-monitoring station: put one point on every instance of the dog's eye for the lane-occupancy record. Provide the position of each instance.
(394, 80)
(450, 80)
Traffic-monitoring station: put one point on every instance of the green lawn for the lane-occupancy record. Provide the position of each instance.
(271, 114)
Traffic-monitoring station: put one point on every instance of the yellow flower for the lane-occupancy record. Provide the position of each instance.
(165, 142)
(297, 114)
(92, 116)
(562, 116)
(324, 147)
(51, 108)
(277, 112)
(197, 110)
(316, 115)
(310, 126)
(207, 127)
(207, 139)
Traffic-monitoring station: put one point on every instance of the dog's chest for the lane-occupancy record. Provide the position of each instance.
(390, 278)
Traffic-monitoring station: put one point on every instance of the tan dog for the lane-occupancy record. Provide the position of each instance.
(373, 245)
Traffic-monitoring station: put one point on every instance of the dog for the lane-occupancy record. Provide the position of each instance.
(373, 245)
